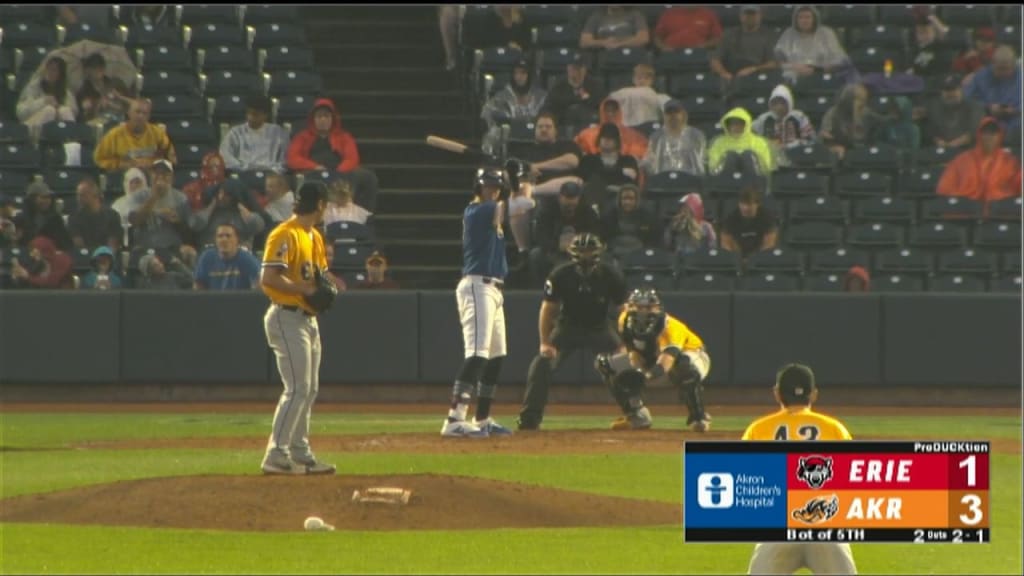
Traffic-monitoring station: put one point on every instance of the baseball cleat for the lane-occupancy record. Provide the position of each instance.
(313, 466)
(701, 425)
(639, 420)
(279, 464)
(461, 429)
(492, 428)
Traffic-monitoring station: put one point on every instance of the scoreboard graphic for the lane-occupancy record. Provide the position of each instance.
(836, 492)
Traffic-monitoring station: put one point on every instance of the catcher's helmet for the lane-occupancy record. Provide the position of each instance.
(490, 177)
(309, 196)
(645, 316)
(586, 250)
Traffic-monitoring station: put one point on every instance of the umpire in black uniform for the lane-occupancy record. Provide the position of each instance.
(581, 300)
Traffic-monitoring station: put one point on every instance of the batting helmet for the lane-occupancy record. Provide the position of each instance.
(645, 316)
(309, 196)
(585, 250)
(490, 177)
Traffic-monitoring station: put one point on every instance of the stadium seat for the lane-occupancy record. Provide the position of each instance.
(730, 184)
(192, 154)
(294, 108)
(145, 35)
(183, 132)
(861, 184)
(818, 208)
(815, 107)
(34, 13)
(1010, 284)
(170, 107)
(813, 235)
(696, 83)
(777, 260)
(931, 156)
(648, 259)
(880, 157)
(703, 109)
(769, 283)
(956, 283)
(849, 15)
(22, 155)
(166, 82)
(163, 57)
(708, 282)
(967, 261)
(618, 59)
(81, 260)
(920, 182)
(225, 58)
(1011, 263)
(58, 132)
(728, 14)
(799, 184)
(349, 233)
(223, 14)
(662, 281)
(65, 180)
(1010, 14)
(26, 34)
(891, 209)
(971, 15)
(554, 60)
(348, 256)
(937, 236)
(813, 157)
(824, 85)
(220, 82)
(682, 60)
(286, 58)
(522, 130)
(210, 34)
(557, 36)
(897, 283)
(547, 14)
(13, 132)
(183, 175)
(998, 235)
(872, 58)
(896, 15)
(280, 34)
(499, 59)
(712, 260)
(946, 208)
(757, 85)
(1008, 209)
(837, 260)
(1009, 34)
(874, 236)
(256, 14)
(351, 277)
(904, 261)
(647, 128)
(229, 109)
(14, 182)
(755, 104)
(825, 283)
(673, 184)
(83, 31)
(285, 82)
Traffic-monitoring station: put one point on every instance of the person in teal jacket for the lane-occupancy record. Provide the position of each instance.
(899, 129)
(739, 149)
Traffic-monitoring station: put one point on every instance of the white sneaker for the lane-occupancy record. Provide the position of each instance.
(491, 427)
(461, 429)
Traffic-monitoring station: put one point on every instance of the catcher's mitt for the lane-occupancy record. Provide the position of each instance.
(323, 298)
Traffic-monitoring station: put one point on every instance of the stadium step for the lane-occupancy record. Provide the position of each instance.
(420, 252)
(426, 277)
(423, 177)
(370, 13)
(384, 56)
(341, 77)
(379, 150)
(413, 227)
(371, 32)
(365, 126)
(379, 102)
(422, 202)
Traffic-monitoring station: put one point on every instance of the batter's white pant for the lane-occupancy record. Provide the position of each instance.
(787, 558)
(698, 358)
(295, 339)
(482, 313)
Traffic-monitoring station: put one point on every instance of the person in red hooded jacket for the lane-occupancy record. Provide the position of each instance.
(857, 279)
(325, 146)
(48, 268)
(634, 143)
(985, 173)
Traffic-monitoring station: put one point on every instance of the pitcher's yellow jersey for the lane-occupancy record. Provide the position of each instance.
(296, 251)
(797, 424)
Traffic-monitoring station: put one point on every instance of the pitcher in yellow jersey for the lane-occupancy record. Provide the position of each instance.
(293, 251)
(795, 390)
(658, 350)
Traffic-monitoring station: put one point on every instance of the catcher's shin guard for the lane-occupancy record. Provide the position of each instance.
(627, 388)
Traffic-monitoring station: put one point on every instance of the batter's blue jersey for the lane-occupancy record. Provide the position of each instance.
(483, 249)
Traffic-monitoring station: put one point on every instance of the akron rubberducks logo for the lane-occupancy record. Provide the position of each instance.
(815, 471)
(817, 510)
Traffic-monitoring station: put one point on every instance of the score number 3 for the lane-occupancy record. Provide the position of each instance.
(973, 501)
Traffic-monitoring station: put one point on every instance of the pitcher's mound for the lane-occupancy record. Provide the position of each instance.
(280, 503)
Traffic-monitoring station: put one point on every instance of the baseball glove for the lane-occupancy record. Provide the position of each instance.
(323, 298)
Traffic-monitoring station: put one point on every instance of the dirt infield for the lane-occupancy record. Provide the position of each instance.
(255, 503)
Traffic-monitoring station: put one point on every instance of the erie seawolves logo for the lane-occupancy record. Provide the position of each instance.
(814, 470)
(817, 510)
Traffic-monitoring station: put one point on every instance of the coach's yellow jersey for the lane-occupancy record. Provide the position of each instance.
(298, 251)
(675, 334)
(797, 424)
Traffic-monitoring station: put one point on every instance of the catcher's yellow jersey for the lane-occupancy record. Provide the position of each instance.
(675, 334)
(797, 424)
(297, 251)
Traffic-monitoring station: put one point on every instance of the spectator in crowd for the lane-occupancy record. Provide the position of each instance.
(449, 20)
(256, 144)
(341, 208)
(41, 218)
(783, 126)
(155, 275)
(675, 147)
(47, 98)
(738, 149)
(96, 16)
(551, 160)
(634, 143)
(746, 49)
(629, 225)
(849, 123)
(998, 87)
(102, 98)
(94, 224)
(687, 27)
(556, 226)
(927, 55)
(640, 103)
(609, 167)
(521, 99)
(325, 146)
(502, 26)
(135, 181)
(225, 204)
(156, 15)
(951, 118)
(227, 266)
(987, 172)
(338, 280)
(808, 47)
(688, 231)
(751, 227)
(211, 174)
(857, 279)
(102, 276)
(136, 143)
(376, 274)
(280, 199)
(897, 127)
(615, 26)
(48, 268)
(575, 98)
(978, 56)
(160, 216)
(8, 228)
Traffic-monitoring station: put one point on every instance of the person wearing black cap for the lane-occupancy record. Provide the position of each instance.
(294, 254)
(256, 144)
(556, 226)
(796, 391)
(521, 99)
(951, 118)
(575, 98)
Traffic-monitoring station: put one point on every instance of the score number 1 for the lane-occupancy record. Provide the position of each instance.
(974, 514)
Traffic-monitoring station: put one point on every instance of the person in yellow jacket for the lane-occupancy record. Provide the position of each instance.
(134, 144)
(739, 149)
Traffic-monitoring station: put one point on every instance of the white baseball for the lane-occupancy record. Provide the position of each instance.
(314, 523)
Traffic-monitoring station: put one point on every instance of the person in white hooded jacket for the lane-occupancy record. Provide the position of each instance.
(783, 126)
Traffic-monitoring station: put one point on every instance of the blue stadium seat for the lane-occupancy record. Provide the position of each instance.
(224, 14)
(65, 180)
(287, 58)
(814, 235)
(59, 132)
(833, 282)
(351, 277)
(998, 236)
(521, 130)
(13, 132)
(85, 31)
(837, 260)
(295, 82)
(647, 128)
(892, 209)
(920, 182)
(760, 84)
(350, 233)
(755, 104)
(878, 157)
(815, 107)
(622, 58)
(777, 260)
(558, 36)
(183, 132)
(280, 34)
(728, 14)
(33, 13)
(937, 236)
(163, 57)
(946, 208)
(682, 60)
(871, 58)
(225, 58)
(229, 109)
(673, 184)
(970, 15)
(548, 14)
(968, 261)
(713, 260)
(144, 35)
(1009, 34)
(896, 15)
(19, 156)
(660, 280)
(708, 282)
(256, 14)
(210, 34)
(797, 184)
(861, 184)
(498, 59)
(165, 82)
(184, 174)
(730, 184)
(192, 154)
(956, 283)
(294, 108)
(1011, 262)
(904, 261)
(883, 35)
(932, 156)
(81, 260)
(824, 85)
(874, 236)
(849, 15)
(349, 256)
(1010, 14)
(648, 259)
(29, 34)
(817, 208)
(220, 82)
(814, 157)
(1010, 284)
(703, 83)
(1008, 209)
(769, 282)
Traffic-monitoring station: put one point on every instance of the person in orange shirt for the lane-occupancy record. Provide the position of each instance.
(985, 173)
(687, 27)
(634, 143)
(795, 390)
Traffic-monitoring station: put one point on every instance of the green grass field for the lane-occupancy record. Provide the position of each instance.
(38, 456)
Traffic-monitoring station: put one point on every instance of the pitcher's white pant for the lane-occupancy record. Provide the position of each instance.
(699, 359)
(482, 313)
(295, 339)
(787, 558)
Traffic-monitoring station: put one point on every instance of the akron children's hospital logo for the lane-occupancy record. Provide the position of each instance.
(814, 471)
(817, 510)
(723, 490)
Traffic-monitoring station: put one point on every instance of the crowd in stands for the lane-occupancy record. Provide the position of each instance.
(603, 142)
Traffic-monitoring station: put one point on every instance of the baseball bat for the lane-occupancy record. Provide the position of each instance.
(457, 148)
